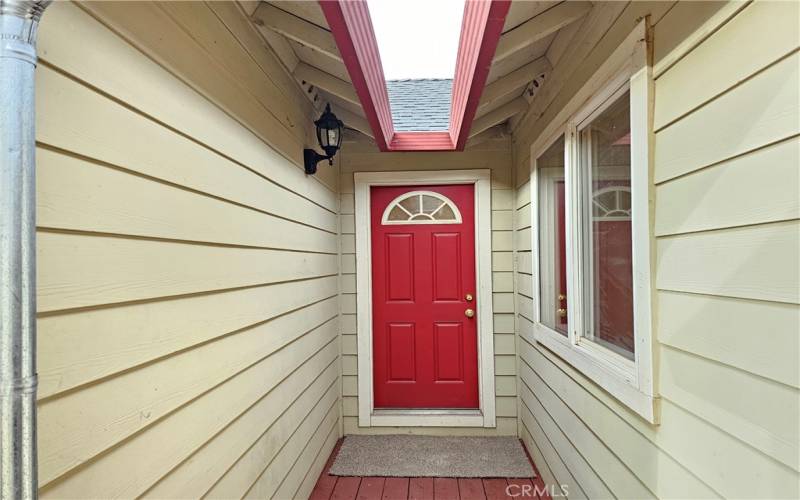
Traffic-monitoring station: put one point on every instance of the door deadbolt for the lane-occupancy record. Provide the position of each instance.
(468, 298)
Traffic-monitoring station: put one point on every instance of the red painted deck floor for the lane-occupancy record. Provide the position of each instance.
(424, 488)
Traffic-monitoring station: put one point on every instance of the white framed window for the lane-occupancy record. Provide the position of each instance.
(593, 242)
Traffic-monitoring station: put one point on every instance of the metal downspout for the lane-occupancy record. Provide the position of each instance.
(19, 20)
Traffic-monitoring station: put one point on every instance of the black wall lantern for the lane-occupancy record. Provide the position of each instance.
(329, 136)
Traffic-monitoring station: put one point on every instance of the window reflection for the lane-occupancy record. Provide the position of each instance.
(552, 237)
(605, 175)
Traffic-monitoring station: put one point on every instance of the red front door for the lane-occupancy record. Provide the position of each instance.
(425, 348)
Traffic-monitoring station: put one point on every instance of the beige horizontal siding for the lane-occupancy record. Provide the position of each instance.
(361, 155)
(726, 221)
(727, 195)
(716, 320)
(235, 444)
(622, 433)
(77, 349)
(727, 61)
(140, 206)
(767, 111)
(187, 284)
(80, 270)
(72, 39)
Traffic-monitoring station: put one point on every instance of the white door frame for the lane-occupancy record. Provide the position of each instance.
(367, 415)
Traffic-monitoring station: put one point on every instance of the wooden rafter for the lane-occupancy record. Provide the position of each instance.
(323, 96)
(323, 80)
(280, 46)
(592, 29)
(496, 132)
(538, 27)
(352, 120)
(513, 81)
(498, 115)
(304, 9)
(294, 28)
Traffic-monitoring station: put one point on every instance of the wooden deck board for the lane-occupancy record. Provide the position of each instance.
(330, 487)
(371, 488)
(496, 489)
(346, 488)
(395, 488)
(471, 489)
(420, 488)
(445, 488)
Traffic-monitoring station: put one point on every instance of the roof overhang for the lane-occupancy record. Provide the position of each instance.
(481, 28)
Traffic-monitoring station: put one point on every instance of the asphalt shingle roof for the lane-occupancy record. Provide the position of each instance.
(420, 105)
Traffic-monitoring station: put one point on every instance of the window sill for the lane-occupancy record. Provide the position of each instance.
(616, 380)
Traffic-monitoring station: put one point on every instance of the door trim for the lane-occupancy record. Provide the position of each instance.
(367, 415)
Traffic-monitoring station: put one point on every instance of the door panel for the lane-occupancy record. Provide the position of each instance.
(400, 275)
(400, 353)
(446, 266)
(448, 344)
(425, 349)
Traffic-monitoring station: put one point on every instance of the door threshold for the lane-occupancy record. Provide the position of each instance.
(427, 418)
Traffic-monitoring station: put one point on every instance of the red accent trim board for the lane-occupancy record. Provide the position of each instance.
(481, 28)
(352, 30)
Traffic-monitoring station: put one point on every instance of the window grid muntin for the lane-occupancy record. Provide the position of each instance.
(413, 204)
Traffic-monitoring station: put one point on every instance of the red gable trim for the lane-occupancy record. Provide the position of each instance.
(352, 29)
(481, 28)
(478, 42)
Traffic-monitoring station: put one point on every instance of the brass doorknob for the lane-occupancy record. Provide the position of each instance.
(469, 313)
(562, 313)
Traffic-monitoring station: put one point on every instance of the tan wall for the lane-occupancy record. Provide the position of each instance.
(726, 223)
(361, 155)
(188, 297)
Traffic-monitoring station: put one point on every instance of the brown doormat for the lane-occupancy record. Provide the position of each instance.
(431, 456)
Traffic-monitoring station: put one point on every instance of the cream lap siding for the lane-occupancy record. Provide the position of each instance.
(187, 284)
(359, 155)
(727, 233)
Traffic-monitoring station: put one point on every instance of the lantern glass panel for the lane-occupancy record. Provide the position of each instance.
(332, 137)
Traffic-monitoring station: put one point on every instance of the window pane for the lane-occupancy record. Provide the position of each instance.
(430, 203)
(445, 213)
(397, 213)
(552, 238)
(605, 169)
(411, 204)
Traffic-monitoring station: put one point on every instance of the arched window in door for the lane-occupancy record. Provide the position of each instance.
(421, 207)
